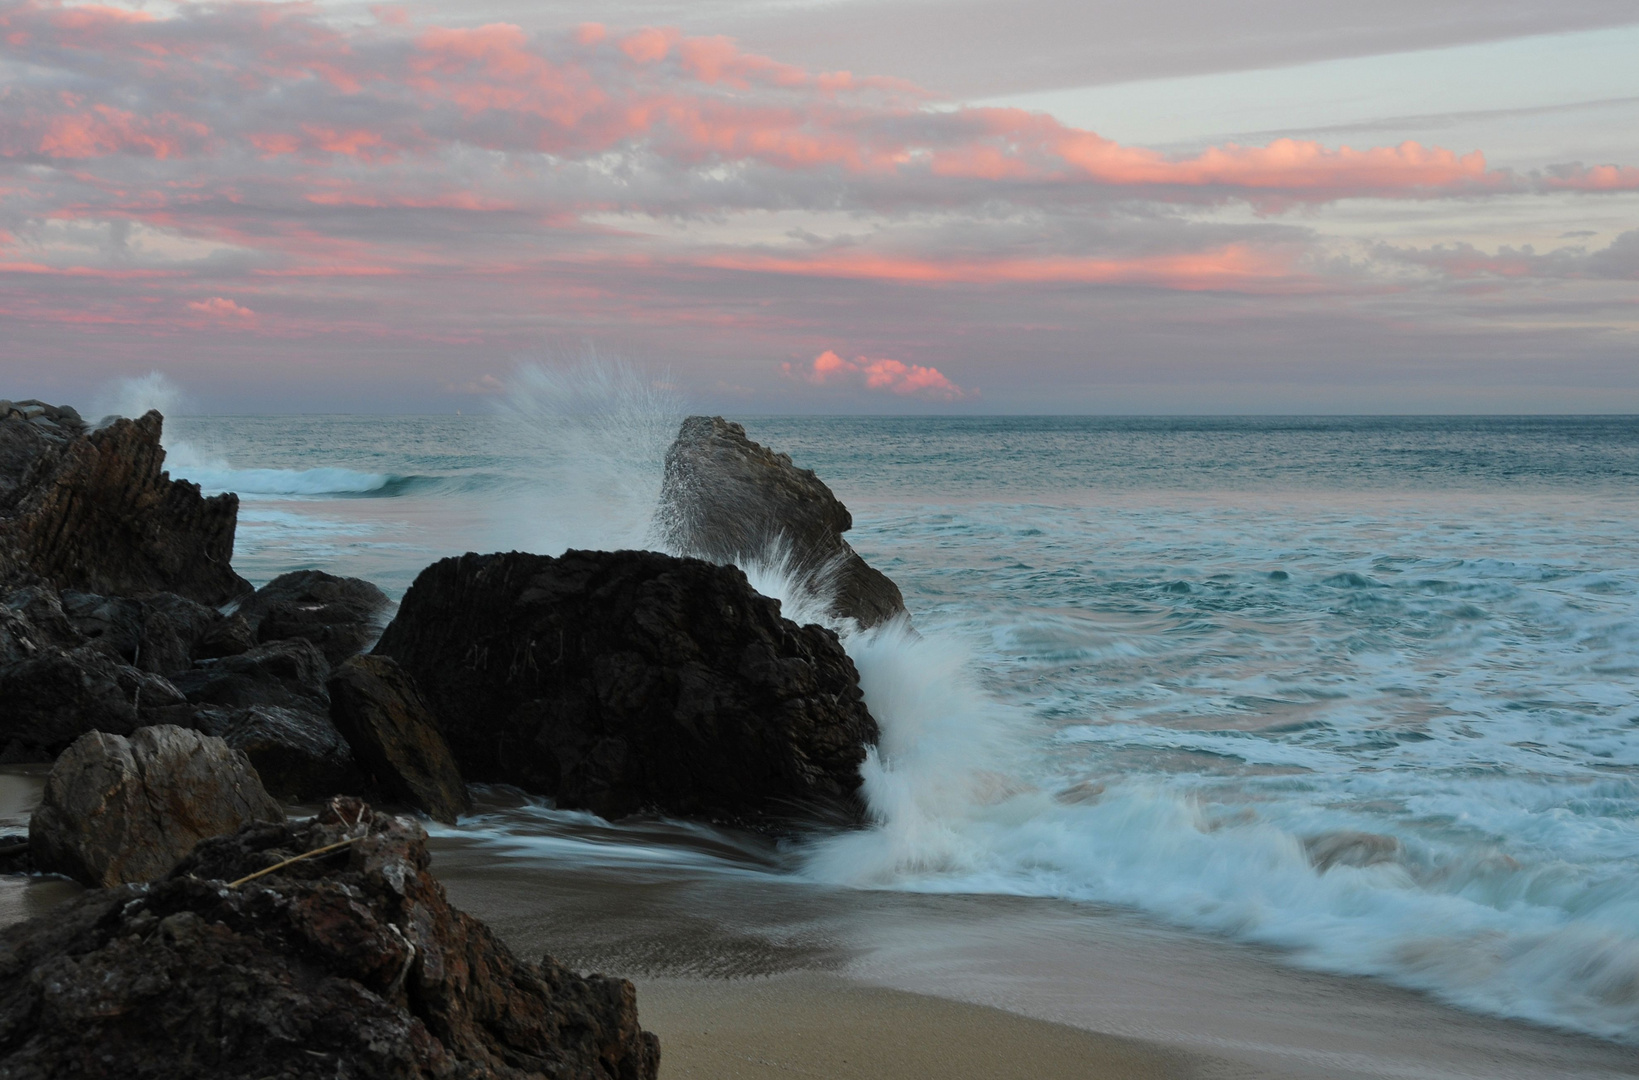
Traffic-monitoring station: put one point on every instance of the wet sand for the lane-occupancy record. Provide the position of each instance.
(811, 1024)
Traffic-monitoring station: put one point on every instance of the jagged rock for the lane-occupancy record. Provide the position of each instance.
(121, 810)
(339, 615)
(620, 681)
(348, 965)
(96, 512)
(395, 739)
(729, 500)
(299, 754)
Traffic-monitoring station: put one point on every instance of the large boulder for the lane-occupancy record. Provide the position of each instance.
(339, 615)
(631, 680)
(352, 964)
(98, 513)
(121, 810)
(380, 712)
(729, 500)
(162, 632)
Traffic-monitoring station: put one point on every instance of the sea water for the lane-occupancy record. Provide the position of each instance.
(1359, 693)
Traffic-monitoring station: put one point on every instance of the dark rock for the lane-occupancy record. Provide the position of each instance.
(729, 500)
(56, 696)
(299, 754)
(347, 965)
(97, 513)
(177, 631)
(620, 681)
(285, 674)
(14, 857)
(42, 608)
(271, 702)
(395, 739)
(339, 615)
(121, 810)
(112, 623)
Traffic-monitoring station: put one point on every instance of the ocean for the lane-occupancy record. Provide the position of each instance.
(1269, 704)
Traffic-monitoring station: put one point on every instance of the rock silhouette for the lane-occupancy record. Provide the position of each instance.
(631, 680)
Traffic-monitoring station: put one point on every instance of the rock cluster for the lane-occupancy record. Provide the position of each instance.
(352, 964)
(632, 680)
(729, 500)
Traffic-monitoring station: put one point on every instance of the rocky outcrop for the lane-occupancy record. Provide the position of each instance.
(96, 512)
(380, 711)
(729, 500)
(120, 810)
(337, 614)
(622, 681)
(350, 964)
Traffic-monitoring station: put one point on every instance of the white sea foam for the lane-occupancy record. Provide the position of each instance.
(592, 436)
(134, 396)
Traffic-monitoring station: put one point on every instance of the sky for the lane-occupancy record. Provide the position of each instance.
(827, 206)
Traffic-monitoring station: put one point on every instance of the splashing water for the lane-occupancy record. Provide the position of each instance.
(593, 437)
(1388, 736)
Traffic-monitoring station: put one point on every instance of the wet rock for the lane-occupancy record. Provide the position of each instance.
(395, 739)
(352, 964)
(161, 632)
(729, 500)
(299, 754)
(621, 681)
(284, 674)
(121, 810)
(96, 512)
(339, 615)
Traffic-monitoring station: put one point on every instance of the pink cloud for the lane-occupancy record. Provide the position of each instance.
(909, 380)
(223, 309)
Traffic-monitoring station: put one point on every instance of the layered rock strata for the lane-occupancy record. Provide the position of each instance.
(95, 511)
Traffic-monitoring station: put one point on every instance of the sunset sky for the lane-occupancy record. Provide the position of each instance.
(1181, 206)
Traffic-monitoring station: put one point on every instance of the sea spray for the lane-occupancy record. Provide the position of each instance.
(593, 435)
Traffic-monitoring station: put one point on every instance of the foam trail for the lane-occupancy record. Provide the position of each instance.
(594, 435)
(966, 800)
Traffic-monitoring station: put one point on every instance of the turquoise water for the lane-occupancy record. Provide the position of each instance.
(1362, 690)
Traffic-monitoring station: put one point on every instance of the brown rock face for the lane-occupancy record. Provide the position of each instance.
(350, 965)
(98, 513)
(630, 680)
(727, 499)
(380, 711)
(119, 810)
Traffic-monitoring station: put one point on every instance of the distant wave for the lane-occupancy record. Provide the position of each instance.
(327, 481)
(333, 482)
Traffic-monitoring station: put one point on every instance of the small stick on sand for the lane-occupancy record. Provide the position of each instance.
(295, 859)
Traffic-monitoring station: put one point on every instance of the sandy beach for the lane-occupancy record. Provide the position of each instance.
(811, 1024)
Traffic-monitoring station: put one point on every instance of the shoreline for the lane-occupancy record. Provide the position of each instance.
(809, 1023)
